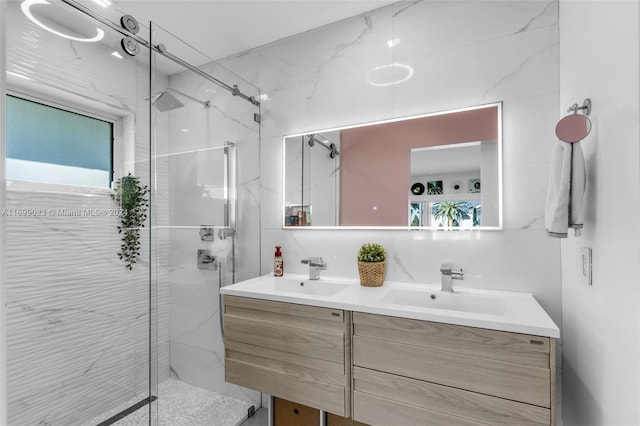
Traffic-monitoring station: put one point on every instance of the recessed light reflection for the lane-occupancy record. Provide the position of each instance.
(384, 75)
(26, 9)
(103, 3)
(185, 130)
(394, 42)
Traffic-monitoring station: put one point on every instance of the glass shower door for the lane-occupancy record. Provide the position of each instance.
(205, 150)
(78, 320)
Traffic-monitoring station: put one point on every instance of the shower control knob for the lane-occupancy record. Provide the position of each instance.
(130, 24)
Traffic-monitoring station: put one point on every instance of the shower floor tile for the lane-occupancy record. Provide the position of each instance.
(181, 404)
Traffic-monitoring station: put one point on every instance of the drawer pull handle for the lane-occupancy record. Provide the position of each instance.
(536, 342)
(335, 314)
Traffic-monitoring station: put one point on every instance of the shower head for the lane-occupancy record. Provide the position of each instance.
(166, 102)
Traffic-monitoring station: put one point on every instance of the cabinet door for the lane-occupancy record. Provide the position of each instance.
(291, 351)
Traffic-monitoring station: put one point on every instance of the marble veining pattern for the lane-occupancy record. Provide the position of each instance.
(75, 317)
(196, 192)
(463, 53)
(77, 321)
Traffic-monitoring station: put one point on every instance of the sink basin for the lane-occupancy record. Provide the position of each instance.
(459, 302)
(317, 288)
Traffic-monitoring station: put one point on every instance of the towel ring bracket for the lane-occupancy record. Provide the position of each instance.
(586, 107)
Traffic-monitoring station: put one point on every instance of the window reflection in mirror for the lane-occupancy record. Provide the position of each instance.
(458, 180)
(446, 214)
(398, 173)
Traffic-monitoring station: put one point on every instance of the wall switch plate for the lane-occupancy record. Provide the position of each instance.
(585, 255)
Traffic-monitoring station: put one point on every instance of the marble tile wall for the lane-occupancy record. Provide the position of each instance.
(601, 321)
(77, 321)
(196, 169)
(464, 53)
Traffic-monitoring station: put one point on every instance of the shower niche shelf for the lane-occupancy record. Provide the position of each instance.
(297, 215)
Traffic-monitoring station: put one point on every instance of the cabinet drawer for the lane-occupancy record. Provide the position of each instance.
(491, 344)
(374, 410)
(286, 383)
(448, 400)
(312, 343)
(311, 317)
(502, 379)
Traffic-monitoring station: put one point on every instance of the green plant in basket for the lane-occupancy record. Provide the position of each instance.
(372, 252)
(371, 264)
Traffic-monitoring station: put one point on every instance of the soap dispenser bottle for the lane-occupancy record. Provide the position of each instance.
(278, 263)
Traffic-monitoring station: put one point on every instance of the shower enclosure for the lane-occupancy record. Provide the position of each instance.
(93, 97)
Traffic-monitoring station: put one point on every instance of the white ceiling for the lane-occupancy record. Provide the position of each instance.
(219, 28)
(445, 159)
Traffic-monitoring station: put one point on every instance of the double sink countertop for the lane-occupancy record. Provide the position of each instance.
(497, 310)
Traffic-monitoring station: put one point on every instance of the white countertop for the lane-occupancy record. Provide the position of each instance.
(498, 310)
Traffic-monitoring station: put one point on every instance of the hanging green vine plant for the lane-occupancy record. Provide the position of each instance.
(131, 196)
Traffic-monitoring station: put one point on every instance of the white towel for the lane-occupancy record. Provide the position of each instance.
(565, 195)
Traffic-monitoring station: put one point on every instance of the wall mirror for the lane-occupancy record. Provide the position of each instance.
(439, 171)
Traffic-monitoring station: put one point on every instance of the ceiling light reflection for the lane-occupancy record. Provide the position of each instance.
(384, 75)
(103, 3)
(26, 9)
(394, 42)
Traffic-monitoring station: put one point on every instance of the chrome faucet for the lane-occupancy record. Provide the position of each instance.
(448, 275)
(316, 264)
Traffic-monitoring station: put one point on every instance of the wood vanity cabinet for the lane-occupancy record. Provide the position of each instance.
(296, 352)
(414, 372)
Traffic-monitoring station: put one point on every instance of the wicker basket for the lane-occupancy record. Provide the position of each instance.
(372, 273)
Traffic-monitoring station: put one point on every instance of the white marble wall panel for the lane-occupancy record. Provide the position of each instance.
(196, 170)
(197, 347)
(75, 316)
(601, 322)
(463, 53)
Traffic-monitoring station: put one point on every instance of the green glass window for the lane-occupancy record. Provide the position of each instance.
(52, 145)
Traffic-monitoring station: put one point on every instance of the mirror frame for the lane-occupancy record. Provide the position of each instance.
(500, 140)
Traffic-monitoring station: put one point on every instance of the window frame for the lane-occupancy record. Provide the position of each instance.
(116, 142)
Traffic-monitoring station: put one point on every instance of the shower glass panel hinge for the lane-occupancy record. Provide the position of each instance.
(257, 118)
